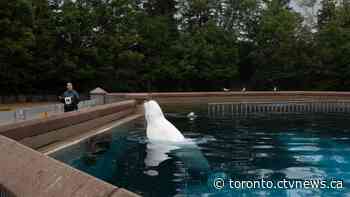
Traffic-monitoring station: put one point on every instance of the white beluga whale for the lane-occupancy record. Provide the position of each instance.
(158, 127)
(165, 140)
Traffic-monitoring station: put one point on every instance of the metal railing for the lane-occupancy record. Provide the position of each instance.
(222, 109)
(39, 111)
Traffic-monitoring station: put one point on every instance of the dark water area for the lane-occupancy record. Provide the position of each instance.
(272, 147)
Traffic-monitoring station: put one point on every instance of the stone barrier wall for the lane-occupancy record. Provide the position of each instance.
(25, 172)
(207, 97)
(28, 173)
(8, 99)
(40, 132)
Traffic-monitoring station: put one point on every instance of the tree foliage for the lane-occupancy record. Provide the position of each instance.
(168, 45)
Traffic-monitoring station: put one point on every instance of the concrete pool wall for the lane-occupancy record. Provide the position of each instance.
(206, 97)
(26, 172)
(41, 132)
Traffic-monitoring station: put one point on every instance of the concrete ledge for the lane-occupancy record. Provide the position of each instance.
(205, 97)
(122, 192)
(58, 135)
(25, 129)
(214, 94)
(106, 129)
(25, 172)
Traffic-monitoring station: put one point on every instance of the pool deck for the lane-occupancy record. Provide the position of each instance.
(47, 150)
(14, 106)
(24, 171)
(27, 170)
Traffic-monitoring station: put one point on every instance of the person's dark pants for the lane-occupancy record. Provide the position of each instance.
(68, 108)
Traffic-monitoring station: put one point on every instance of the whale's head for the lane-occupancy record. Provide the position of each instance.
(152, 111)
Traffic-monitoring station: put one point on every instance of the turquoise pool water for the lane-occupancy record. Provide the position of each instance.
(233, 149)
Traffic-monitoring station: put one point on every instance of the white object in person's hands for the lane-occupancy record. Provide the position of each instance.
(68, 100)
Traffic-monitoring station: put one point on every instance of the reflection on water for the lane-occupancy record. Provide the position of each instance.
(188, 153)
(156, 153)
(251, 147)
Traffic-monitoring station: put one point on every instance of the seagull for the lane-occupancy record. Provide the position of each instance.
(226, 90)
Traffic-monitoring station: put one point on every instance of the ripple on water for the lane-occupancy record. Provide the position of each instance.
(263, 147)
(303, 172)
(304, 148)
(300, 139)
(137, 137)
(261, 155)
(309, 158)
(339, 159)
(261, 173)
(340, 138)
(266, 138)
(152, 172)
(201, 139)
(302, 144)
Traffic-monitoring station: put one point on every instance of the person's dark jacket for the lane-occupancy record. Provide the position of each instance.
(70, 99)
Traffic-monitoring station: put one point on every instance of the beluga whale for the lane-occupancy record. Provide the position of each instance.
(165, 140)
(158, 127)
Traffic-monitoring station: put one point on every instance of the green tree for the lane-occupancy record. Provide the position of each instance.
(333, 45)
(94, 41)
(276, 55)
(326, 13)
(43, 66)
(205, 59)
(16, 41)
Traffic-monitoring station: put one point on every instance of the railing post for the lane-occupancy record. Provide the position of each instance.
(19, 114)
(99, 95)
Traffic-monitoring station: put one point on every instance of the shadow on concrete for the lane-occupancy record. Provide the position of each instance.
(4, 192)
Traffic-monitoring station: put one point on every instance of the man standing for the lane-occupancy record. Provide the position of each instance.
(70, 98)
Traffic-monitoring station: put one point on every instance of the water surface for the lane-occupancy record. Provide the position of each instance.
(250, 147)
